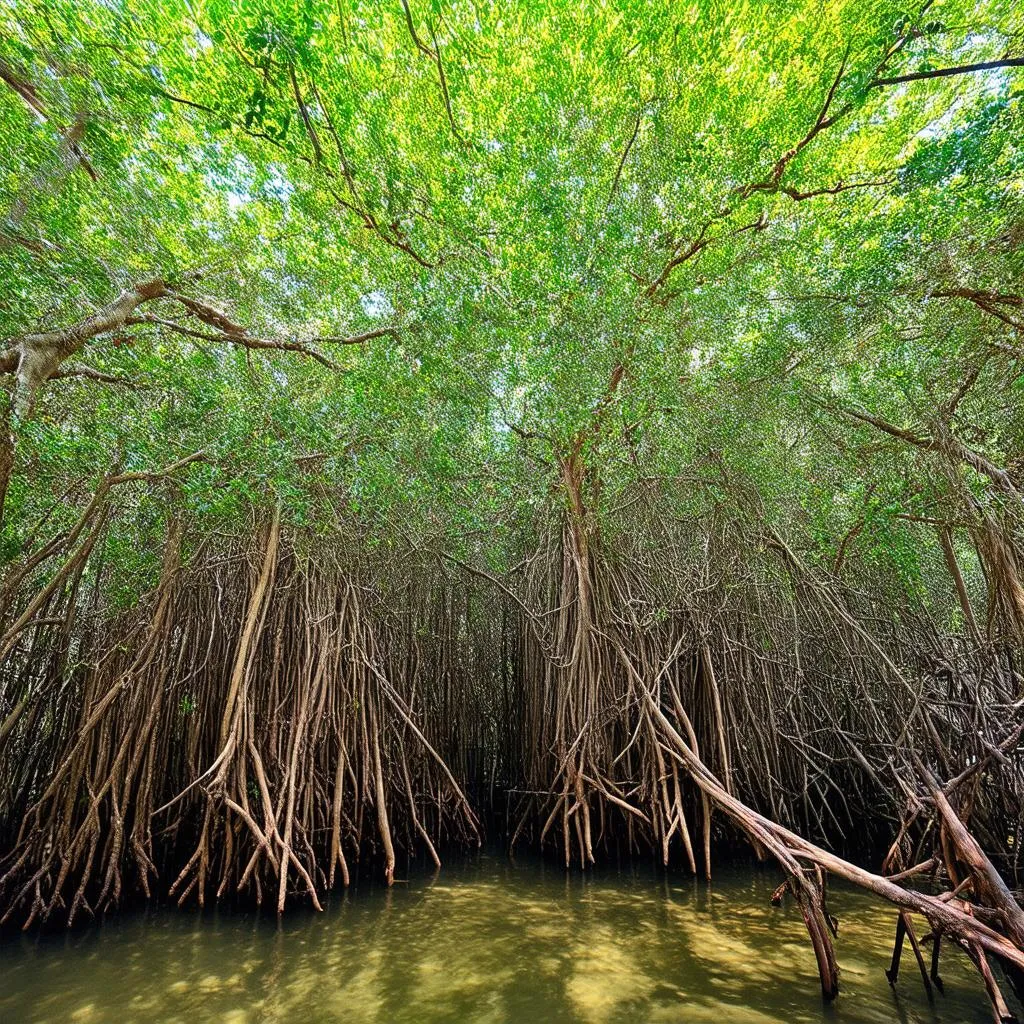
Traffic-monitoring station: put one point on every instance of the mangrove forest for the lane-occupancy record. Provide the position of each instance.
(585, 433)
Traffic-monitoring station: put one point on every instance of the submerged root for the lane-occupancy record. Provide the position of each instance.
(265, 720)
(280, 724)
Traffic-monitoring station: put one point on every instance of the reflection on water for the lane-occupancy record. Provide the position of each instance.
(489, 941)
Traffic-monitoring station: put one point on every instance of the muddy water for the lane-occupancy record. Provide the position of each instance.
(486, 941)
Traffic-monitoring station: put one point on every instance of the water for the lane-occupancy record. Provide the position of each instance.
(488, 941)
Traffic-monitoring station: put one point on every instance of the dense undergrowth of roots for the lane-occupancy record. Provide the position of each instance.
(273, 711)
(278, 709)
(255, 724)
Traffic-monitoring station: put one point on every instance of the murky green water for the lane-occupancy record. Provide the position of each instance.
(488, 941)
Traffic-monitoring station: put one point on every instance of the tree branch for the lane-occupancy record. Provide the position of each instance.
(157, 474)
(961, 69)
(953, 447)
(354, 205)
(821, 123)
(71, 136)
(624, 158)
(434, 53)
(988, 302)
(38, 357)
(78, 370)
(358, 339)
(771, 185)
(834, 190)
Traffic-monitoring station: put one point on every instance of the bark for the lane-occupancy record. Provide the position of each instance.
(36, 357)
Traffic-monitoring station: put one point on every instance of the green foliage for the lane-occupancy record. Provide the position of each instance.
(504, 185)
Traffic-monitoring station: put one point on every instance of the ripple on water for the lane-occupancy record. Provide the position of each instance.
(490, 942)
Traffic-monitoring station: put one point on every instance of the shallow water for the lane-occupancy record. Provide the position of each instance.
(488, 941)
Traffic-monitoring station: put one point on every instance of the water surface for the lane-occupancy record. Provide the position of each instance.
(489, 941)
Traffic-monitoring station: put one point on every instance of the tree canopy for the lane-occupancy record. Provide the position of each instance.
(405, 258)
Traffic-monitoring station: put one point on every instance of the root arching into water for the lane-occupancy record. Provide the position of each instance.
(265, 717)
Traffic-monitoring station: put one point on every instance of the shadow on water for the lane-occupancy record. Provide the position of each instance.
(489, 940)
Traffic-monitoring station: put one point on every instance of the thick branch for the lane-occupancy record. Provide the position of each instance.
(960, 69)
(88, 373)
(953, 446)
(987, 302)
(40, 356)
